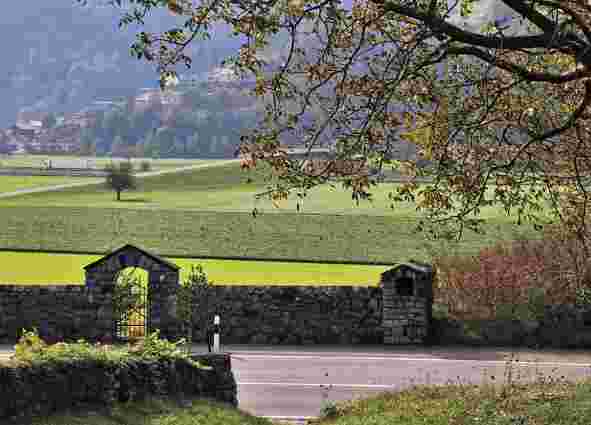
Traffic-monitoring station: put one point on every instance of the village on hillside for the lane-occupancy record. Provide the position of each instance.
(31, 133)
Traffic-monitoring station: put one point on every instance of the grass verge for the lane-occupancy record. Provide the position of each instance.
(155, 412)
(558, 403)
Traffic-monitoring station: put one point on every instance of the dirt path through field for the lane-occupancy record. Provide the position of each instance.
(94, 181)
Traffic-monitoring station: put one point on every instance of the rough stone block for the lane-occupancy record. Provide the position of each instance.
(397, 331)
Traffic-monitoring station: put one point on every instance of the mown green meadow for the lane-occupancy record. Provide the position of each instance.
(35, 268)
(228, 188)
(208, 213)
(191, 233)
(13, 183)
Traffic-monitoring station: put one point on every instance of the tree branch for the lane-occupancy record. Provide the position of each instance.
(585, 103)
(520, 70)
(577, 18)
(532, 15)
(568, 42)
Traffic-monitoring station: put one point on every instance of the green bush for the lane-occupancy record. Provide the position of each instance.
(42, 379)
(191, 289)
(32, 349)
(145, 166)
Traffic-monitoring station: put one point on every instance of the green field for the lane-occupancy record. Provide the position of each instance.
(174, 233)
(226, 188)
(12, 183)
(26, 268)
(207, 212)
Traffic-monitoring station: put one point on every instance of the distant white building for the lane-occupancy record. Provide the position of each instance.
(30, 128)
(222, 75)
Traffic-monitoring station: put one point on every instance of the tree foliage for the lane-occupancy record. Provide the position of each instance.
(144, 132)
(501, 111)
(193, 288)
(120, 177)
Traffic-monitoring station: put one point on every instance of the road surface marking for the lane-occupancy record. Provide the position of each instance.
(293, 384)
(427, 359)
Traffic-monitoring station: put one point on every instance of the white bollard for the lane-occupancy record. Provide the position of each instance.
(216, 334)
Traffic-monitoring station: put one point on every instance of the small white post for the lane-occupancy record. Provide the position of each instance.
(216, 334)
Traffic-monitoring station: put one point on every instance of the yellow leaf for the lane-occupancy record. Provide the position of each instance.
(567, 109)
(174, 7)
(407, 119)
(422, 137)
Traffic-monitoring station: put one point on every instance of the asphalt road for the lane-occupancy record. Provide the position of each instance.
(292, 382)
(283, 384)
(93, 181)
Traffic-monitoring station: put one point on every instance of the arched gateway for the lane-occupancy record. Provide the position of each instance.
(163, 283)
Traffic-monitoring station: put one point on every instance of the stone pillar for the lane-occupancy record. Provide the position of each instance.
(406, 318)
(163, 286)
(100, 284)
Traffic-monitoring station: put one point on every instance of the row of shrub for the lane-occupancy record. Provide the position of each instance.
(43, 379)
(515, 280)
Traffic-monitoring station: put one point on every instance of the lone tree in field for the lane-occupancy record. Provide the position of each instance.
(498, 102)
(120, 177)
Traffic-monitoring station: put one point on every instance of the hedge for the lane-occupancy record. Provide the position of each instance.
(43, 388)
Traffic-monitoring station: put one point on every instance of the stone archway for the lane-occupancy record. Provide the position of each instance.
(163, 283)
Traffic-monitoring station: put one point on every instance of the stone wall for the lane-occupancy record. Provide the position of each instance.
(222, 386)
(291, 315)
(58, 312)
(561, 326)
(405, 320)
(72, 312)
(396, 312)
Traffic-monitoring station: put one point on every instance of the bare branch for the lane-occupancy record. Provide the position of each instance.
(521, 71)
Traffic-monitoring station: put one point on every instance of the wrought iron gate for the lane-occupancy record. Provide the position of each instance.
(133, 322)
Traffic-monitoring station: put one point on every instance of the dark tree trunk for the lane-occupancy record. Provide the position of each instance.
(118, 195)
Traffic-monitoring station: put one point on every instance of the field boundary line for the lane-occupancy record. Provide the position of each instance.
(205, 257)
(209, 211)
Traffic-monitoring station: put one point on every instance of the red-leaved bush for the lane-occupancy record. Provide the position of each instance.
(478, 287)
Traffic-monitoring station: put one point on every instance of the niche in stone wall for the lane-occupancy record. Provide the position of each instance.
(404, 286)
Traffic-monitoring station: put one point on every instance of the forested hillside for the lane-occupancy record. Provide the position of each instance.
(203, 125)
(58, 56)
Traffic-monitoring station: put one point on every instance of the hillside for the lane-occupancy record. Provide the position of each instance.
(67, 56)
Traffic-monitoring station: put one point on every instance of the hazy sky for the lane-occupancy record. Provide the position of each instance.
(485, 11)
